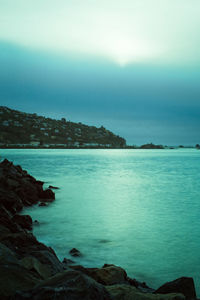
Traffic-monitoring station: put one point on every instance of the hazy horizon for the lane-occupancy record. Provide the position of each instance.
(132, 67)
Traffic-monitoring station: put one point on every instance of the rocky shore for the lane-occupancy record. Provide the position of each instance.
(31, 270)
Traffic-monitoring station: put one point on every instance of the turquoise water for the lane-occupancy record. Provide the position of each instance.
(139, 209)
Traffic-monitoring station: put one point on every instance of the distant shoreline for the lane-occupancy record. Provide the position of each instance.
(107, 148)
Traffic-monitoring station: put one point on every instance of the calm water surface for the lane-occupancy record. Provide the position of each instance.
(139, 209)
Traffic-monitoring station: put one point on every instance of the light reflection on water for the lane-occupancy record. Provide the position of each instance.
(139, 209)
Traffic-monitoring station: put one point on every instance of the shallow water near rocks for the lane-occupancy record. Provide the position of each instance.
(139, 209)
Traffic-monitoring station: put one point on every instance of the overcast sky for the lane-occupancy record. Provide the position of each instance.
(132, 66)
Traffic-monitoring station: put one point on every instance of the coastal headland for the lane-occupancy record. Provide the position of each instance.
(31, 270)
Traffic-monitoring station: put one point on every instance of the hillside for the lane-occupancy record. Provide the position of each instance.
(19, 129)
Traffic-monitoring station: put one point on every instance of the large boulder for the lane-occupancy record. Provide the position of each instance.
(48, 257)
(107, 275)
(32, 263)
(184, 285)
(14, 277)
(68, 285)
(127, 292)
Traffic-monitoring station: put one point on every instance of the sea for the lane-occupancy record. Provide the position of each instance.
(138, 209)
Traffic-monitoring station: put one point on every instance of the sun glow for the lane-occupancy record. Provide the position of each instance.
(124, 51)
(123, 31)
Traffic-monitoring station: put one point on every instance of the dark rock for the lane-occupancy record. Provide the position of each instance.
(67, 261)
(28, 191)
(47, 195)
(42, 204)
(25, 221)
(10, 200)
(33, 264)
(14, 277)
(48, 257)
(12, 183)
(184, 285)
(22, 243)
(39, 182)
(68, 285)
(7, 256)
(4, 231)
(53, 187)
(108, 275)
(6, 221)
(75, 252)
(127, 292)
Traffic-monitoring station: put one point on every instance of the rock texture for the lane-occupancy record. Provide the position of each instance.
(184, 285)
(31, 270)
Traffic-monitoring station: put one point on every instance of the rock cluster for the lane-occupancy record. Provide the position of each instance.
(31, 270)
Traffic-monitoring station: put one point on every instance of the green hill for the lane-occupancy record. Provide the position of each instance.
(19, 129)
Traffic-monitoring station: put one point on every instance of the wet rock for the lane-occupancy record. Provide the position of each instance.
(42, 204)
(127, 292)
(53, 187)
(75, 252)
(25, 221)
(184, 285)
(67, 262)
(68, 285)
(47, 195)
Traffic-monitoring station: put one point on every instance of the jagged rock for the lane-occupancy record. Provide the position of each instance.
(75, 252)
(10, 201)
(68, 285)
(6, 222)
(25, 221)
(32, 263)
(47, 195)
(28, 191)
(127, 292)
(14, 277)
(53, 187)
(48, 257)
(22, 243)
(184, 285)
(7, 256)
(18, 188)
(67, 261)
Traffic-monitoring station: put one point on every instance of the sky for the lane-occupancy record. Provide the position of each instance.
(131, 66)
